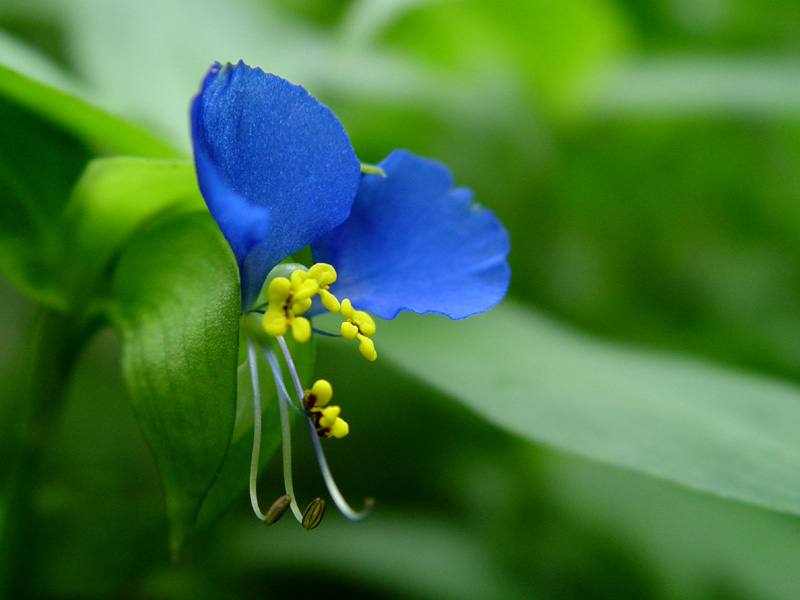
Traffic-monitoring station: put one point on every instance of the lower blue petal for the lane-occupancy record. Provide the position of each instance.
(274, 165)
(413, 243)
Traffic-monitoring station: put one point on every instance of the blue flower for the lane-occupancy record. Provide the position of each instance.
(278, 173)
(275, 167)
(413, 243)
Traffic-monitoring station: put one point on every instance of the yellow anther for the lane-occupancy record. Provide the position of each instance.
(322, 391)
(326, 418)
(301, 329)
(274, 322)
(322, 273)
(278, 290)
(297, 278)
(329, 301)
(358, 324)
(330, 424)
(328, 415)
(365, 323)
(301, 306)
(347, 309)
(287, 299)
(367, 347)
(276, 318)
(339, 429)
(291, 297)
(305, 290)
(349, 330)
(358, 318)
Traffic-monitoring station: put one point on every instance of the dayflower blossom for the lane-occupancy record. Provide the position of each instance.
(278, 173)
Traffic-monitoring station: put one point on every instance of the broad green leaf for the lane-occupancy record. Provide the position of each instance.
(39, 164)
(48, 137)
(687, 535)
(177, 294)
(102, 131)
(115, 197)
(702, 426)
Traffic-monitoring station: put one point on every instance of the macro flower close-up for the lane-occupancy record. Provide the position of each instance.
(399, 300)
(278, 173)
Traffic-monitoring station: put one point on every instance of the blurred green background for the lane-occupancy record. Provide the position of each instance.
(645, 156)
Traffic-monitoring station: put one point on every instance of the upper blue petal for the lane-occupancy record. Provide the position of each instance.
(275, 166)
(413, 243)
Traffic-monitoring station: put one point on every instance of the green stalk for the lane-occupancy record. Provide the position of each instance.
(56, 344)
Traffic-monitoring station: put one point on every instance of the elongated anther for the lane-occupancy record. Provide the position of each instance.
(314, 513)
(277, 509)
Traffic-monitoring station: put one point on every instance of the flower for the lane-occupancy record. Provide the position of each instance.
(274, 166)
(278, 173)
(414, 243)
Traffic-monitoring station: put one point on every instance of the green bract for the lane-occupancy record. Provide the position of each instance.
(180, 328)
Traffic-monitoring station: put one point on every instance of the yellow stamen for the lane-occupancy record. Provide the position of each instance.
(301, 329)
(326, 418)
(306, 289)
(277, 317)
(360, 325)
(322, 391)
(339, 429)
(324, 274)
(329, 301)
(288, 298)
(367, 347)
(301, 306)
(349, 330)
(328, 415)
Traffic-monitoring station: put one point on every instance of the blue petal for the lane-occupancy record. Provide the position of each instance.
(413, 243)
(275, 166)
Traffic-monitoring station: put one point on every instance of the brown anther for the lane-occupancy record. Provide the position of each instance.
(314, 513)
(277, 509)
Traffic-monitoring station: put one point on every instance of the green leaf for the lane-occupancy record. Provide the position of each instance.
(39, 164)
(115, 197)
(95, 127)
(693, 535)
(699, 425)
(177, 290)
(48, 137)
